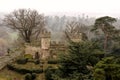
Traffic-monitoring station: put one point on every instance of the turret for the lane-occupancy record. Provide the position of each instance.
(45, 39)
(45, 44)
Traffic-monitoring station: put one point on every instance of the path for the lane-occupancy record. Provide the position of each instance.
(4, 60)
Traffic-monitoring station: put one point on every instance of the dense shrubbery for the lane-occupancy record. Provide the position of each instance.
(31, 60)
(79, 62)
(22, 60)
(107, 69)
(52, 61)
(29, 76)
(49, 72)
(24, 70)
(37, 61)
(27, 58)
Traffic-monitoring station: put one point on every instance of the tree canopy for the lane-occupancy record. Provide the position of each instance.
(27, 22)
(105, 24)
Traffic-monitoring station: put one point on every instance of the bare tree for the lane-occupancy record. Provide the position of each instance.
(27, 22)
(74, 28)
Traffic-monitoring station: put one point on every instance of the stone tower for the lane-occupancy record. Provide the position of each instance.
(45, 44)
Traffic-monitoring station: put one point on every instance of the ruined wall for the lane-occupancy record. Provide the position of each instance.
(51, 48)
(76, 37)
(45, 43)
(32, 50)
(56, 48)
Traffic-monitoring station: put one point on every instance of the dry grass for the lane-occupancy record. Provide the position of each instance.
(6, 74)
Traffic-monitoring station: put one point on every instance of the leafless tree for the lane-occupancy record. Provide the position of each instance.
(27, 22)
(74, 28)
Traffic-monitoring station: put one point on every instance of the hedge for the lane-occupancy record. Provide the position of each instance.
(53, 61)
(29, 76)
(22, 61)
(23, 70)
(49, 71)
(37, 61)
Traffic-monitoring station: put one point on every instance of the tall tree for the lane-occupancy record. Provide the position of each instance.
(107, 69)
(28, 22)
(105, 24)
(80, 56)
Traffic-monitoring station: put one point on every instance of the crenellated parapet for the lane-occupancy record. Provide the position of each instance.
(55, 43)
(45, 34)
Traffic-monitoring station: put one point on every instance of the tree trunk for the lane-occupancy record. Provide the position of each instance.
(27, 36)
(105, 44)
(27, 39)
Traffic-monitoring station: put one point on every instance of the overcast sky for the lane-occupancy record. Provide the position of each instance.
(69, 7)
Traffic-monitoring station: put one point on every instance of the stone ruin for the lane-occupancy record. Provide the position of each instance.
(48, 48)
(44, 50)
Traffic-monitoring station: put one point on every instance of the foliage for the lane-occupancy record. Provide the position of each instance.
(74, 64)
(49, 72)
(29, 76)
(116, 50)
(22, 61)
(33, 75)
(107, 69)
(37, 61)
(105, 24)
(53, 61)
(23, 70)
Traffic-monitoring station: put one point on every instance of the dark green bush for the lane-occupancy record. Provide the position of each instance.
(37, 61)
(31, 60)
(33, 76)
(28, 76)
(53, 61)
(37, 71)
(48, 73)
(42, 62)
(10, 66)
(41, 65)
(22, 61)
(22, 70)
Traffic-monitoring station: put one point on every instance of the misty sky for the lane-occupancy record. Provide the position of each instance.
(69, 7)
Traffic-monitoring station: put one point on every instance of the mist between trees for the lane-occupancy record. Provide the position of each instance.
(93, 44)
(26, 25)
